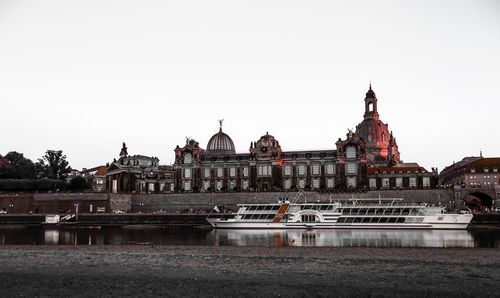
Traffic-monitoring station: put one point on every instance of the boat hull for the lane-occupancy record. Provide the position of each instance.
(450, 222)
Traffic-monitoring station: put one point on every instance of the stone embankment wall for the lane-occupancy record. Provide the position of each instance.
(207, 201)
(89, 202)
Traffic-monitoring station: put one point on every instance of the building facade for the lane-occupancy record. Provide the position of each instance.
(266, 167)
(472, 172)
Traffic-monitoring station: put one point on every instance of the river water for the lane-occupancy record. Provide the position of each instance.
(159, 235)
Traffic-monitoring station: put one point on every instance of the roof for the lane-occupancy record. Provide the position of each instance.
(481, 164)
(396, 169)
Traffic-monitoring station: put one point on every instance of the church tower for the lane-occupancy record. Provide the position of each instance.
(382, 148)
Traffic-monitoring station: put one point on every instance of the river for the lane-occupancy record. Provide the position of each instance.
(163, 235)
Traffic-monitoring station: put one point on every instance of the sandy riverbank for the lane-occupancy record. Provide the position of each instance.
(247, 271)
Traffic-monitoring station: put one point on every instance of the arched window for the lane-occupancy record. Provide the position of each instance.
(383, 137)
(370, 107)
(188, 158)
(350, 152)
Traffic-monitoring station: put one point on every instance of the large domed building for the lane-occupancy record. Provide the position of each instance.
(382, 148)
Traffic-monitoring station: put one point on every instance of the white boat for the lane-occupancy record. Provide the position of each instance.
(350, 214)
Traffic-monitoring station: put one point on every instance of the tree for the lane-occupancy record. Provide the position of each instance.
(16, 166)
(78, 184)
(55, 164)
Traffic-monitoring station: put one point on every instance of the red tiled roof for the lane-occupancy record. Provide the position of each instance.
(101, 171)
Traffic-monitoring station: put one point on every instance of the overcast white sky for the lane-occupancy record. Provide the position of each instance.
(83, 76)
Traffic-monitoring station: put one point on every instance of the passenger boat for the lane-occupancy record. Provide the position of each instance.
(354, 213)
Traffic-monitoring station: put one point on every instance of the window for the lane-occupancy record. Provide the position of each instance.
(219, 185)
(330, 183)
(264, 170)
(472, 170)
(315, 183)
(244, 184)
(373, 183)
(232, 184)
(486, 170)
(288, 184)
(232, 172)
(426, 181)
(351, 168)
(315, 169)
(302, 170)
(187, 173)
(350, 152)
(302, 183)
(220, 172)
(413, 182)
(188, 158)
(245, 172)
(399, 182)
(288, 170)
(351, 182)
(495, 170)
(187, 185)
(206, 172)
(330, 169)
(385, 182)
(206, 185)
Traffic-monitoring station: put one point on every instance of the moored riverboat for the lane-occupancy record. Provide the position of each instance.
(354, 213)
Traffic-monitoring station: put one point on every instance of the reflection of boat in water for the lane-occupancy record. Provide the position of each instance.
(343, 238)
(355, 213)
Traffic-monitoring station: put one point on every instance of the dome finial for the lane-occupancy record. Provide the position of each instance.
(370, 85)
(220, 124)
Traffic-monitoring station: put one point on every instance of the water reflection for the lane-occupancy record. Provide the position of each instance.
(148, 235)
(344, 238)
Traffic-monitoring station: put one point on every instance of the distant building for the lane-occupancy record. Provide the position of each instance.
(138, 174)
(472, 172)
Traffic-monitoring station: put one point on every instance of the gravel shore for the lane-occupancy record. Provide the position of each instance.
(194, 271)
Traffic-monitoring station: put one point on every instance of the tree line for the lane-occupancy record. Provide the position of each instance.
(18, 173)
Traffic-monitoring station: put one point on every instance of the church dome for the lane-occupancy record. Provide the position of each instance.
(220, 143)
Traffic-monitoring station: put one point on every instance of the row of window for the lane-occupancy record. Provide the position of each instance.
(484, 177)
(426, 182)
(486, 170)
(488, 183)
(372, 220)
(266, 170)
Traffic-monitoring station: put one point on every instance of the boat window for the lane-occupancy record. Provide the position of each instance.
(362, 211)
(261, 207)
(379, 211)
(406, 211)
(270, 216)
(349, 219)
(397, 211)
(276, 207)
(308, 218)
(366, 219)
(392, 220)
(341, 220)
(371, 211)
(388, 211)
(357, 219)
(268, 207)
(324, 207)
(401, 220)
(252, 208)
(346, 211)
(383, 219)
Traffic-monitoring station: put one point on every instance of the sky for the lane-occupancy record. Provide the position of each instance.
(85, 76)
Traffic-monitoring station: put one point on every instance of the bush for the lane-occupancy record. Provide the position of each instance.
(31, 185)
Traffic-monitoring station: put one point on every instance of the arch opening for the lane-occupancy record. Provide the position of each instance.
(478, 201)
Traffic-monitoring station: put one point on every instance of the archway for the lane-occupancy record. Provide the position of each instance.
(478, 201)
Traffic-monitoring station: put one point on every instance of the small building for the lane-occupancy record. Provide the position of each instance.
(401, 176)
(96, 178)
(138, 174)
